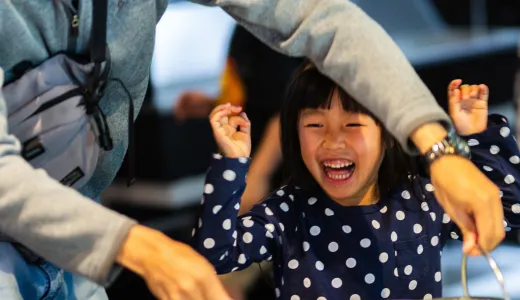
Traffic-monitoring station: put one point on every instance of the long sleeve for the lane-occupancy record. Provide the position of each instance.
(495, 151)
(350, 48)
(230, 242)
(54, 221)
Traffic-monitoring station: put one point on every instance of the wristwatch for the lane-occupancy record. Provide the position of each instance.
(452, 144)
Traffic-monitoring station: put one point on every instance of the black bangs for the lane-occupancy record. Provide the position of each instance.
(311, 89)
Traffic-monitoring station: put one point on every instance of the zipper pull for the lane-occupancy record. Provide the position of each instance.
(75, 24)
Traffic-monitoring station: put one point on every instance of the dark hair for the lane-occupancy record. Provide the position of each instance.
(311, 89)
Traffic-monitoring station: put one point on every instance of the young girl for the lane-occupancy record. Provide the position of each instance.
(357, 219)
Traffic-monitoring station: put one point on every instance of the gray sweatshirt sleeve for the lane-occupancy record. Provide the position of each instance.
(54, 221)
(350, 48)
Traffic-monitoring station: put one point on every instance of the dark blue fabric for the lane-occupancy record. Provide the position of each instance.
(322, 250)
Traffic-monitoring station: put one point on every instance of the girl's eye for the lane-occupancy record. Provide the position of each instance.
(354, 125)
(315, 125)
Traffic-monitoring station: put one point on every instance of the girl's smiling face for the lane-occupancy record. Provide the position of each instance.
(343, 151)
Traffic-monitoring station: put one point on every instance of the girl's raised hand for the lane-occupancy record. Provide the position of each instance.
(468, 107)
(232, 130)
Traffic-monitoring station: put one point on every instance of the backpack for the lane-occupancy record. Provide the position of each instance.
(53, 108)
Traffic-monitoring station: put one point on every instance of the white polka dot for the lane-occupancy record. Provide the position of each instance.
(237, 206)
(306, 246)
(284, 207)
(280, 193)
(319, 266)
(351, 263)
(229, 175)
(248, 223)
(429, 187)
(235, 234)
(355, 297)
(217, 208)
(408, 270)
(247, 237)
(202, 200)
(487, 168)
(435, 241)
(438, 276)
(242, 159)
(293, 264)
(312, 200)
(384, 209)
(369, 278)
(200, 223)
(494, 149)
(501, 194)
(514, 159)
(393, 236)
(396, 273)
(282, 227)
(445, 218)
(333, 247)
(295, 297)
(420, 249)
(509, 179)
(269, 227)
(417, 228)
(399, 215)
(234, 269)
(282, 280)
(321, 298)
(270, 258)
(336, 283)
(472, 142)
(433, 216)
(424, 206)
(504, 222)
(217, 156)
(291, 197)
(269, 234)
(365, 243)
(375, 224)
(193, 232)
(263, 250)
(347, 229)
(226, 224)
(307, 282)
(507, 229)
(315, 230)
(329, 212)
(385, 293)
(395, 253)
(268, 211)
(454, 235)
(405, 194)
(208, 188)
(383, 257)
(412, 285)
(515, 208)
(428, 297)
(277, 292)
(242, 259)
(505, 131)
(223, 256)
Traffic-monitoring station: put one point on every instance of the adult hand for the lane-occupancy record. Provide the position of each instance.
(172, 270)
(192, 105)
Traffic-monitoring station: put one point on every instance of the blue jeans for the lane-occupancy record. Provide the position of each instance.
(20, 280)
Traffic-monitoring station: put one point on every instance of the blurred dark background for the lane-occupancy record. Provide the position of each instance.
(473, 40)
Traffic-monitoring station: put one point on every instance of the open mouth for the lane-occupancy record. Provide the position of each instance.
(338, 170)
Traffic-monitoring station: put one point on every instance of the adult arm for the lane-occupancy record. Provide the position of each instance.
(350, 48)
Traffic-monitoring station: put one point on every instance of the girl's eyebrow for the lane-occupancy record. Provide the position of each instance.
(311, 112)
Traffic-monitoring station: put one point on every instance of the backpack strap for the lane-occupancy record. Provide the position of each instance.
(98, 31)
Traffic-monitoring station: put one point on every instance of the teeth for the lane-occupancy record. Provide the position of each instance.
(337, 166)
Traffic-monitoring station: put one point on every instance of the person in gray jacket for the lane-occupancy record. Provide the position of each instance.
(81, 244)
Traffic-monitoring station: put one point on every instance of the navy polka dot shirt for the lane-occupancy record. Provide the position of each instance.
(321, 250)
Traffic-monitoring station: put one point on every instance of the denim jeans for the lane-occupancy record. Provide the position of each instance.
(20, 279)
